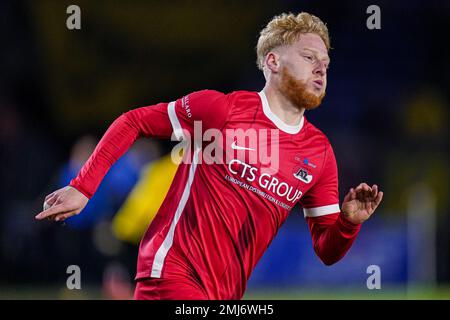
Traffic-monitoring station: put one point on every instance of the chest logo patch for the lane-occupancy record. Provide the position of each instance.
(303, 175)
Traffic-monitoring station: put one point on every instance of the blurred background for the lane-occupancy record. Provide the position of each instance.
(386, 113)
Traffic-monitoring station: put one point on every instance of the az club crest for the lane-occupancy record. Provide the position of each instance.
(303, 175)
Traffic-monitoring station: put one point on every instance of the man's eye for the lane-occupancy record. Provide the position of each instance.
(309, 58)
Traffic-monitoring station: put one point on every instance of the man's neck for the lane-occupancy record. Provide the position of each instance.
(282, 107)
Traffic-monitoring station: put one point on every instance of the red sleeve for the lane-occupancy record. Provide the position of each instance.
(331, 233)
(332, 236)
(160, 121)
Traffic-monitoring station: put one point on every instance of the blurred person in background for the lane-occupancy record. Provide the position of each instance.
(117, 184)
(94, 244)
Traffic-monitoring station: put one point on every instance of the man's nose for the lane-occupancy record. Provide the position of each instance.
(320, 69)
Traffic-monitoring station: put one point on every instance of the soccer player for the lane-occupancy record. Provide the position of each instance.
(219, 217)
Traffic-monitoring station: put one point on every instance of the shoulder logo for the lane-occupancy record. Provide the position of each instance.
(303, 175)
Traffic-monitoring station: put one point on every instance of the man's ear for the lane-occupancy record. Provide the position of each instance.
(273, 62)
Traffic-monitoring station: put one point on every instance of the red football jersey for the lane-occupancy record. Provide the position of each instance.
(218, 219)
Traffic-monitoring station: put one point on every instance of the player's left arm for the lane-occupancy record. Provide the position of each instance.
(333, 230)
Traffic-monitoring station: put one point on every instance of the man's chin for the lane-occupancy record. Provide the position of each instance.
(319, 94)
(313, 100)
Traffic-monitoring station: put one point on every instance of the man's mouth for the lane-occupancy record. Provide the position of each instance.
(318, 83)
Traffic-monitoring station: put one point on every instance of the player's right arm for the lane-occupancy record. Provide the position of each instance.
(333, 230)
(157, 121)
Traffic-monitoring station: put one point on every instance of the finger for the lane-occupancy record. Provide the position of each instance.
(378, 198)
(352, 194)
(59, 208)
(363, 187)
(50, 202)
(53, 217)
(374, 191)
(64, 216)
(365, 196)
(52, 199)
(49, 196)
(368, 193)
(361, 193)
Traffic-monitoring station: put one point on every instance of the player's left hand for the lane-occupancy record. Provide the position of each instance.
(360, 203)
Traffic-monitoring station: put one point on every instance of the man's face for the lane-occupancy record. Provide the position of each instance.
(302, 75)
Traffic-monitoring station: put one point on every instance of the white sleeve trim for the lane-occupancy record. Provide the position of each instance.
(177, 129)
(321, 211)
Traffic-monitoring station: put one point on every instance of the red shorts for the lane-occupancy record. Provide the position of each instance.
(168, 289)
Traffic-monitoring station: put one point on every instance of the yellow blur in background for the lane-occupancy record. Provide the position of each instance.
(141, 206)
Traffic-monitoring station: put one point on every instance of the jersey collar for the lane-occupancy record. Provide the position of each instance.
(277, 121)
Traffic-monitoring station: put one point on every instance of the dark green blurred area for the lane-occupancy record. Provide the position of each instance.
(95, 293)
(135, 53)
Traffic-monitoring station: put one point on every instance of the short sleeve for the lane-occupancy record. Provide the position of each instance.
(323, 197)
(203, 110)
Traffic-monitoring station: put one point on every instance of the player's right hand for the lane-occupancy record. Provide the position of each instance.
(62, 204)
